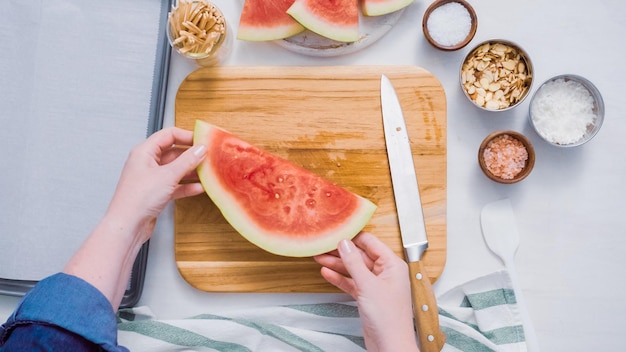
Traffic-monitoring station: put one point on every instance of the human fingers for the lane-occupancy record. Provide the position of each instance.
(185, 163)
(340, 281)
(170, 154)
(353, 261)
(332, 262)
(334, 271)
(164, 139)
(187, 190)
(191, 177)
(334, 252)
(174, 136)
(373, 246)
(385, 259)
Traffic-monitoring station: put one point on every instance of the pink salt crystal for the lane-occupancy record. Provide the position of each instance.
(505, 157)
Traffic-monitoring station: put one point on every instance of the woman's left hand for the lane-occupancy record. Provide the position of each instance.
(160, 169)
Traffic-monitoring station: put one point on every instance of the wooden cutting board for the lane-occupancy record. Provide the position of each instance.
(328, 120)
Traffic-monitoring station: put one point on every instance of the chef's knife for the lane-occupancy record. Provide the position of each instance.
(410, 218)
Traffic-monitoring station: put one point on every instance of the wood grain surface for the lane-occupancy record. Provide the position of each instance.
(328, 120)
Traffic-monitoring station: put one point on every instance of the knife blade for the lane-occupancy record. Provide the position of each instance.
(410, 218)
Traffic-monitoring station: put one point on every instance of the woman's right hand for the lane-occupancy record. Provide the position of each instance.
(370, 272)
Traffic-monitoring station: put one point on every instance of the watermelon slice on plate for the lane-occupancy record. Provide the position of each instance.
(383, 7)
(275, 204)
(263, 20)
(333, 19)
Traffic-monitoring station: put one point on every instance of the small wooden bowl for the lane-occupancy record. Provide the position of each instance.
(459, 45)
(528, 167)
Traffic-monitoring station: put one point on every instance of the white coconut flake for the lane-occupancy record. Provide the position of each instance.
(562, 111)
(449, 24)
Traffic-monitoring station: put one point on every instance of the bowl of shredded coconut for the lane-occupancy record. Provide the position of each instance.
(567, 110)
(449, 24)
(506, 156)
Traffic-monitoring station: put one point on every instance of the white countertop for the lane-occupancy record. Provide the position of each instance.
(569, 210)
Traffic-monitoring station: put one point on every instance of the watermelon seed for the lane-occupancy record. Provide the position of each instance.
(310, 203)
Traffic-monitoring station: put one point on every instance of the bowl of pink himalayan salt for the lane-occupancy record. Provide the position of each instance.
(449, 24)
(567, 110)
(506, 156)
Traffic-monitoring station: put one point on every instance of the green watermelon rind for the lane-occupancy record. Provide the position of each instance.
(279, 245)
(326, 29)
(379, 8)
(260, 34)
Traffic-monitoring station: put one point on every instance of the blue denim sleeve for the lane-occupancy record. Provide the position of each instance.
(62, 311)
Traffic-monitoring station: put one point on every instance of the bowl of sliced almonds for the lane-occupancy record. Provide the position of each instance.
(496, 75)
(197, 30)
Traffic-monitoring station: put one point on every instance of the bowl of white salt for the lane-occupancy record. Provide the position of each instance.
(567, 110)
(449, 24)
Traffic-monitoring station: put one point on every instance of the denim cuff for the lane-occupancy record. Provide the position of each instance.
(70, 303)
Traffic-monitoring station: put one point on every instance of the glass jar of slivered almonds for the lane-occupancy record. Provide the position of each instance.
(197, 30)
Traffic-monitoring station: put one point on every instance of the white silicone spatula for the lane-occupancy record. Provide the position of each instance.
(500, 232)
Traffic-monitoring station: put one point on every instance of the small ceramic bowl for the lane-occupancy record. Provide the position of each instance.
(496, 75)
(500, 156)
(450, 24)
(552, 101)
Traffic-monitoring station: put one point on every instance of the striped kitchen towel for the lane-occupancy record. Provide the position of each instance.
(481, 315)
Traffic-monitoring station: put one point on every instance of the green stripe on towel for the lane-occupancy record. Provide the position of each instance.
(463, 342)
(507, 334)
(489, 299)
(331, 310)
(177, 336)
(272, 330)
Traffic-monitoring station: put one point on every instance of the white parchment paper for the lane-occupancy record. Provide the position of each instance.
(75, 87)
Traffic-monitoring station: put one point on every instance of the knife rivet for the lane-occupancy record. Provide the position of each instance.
(425, 307)
(431, 338)
(418, 276)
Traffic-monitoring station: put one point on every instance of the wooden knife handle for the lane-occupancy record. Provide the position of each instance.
(425, 310)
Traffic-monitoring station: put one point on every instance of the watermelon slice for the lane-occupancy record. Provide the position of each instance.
(333, 19)
(267, 20)
(275, 204)
(383, 7)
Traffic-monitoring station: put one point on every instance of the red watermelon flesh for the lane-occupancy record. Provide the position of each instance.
(263, 20)
(333, 19)
(275, 204)
(383, 7)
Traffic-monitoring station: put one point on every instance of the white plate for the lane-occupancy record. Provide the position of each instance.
(371, 28)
